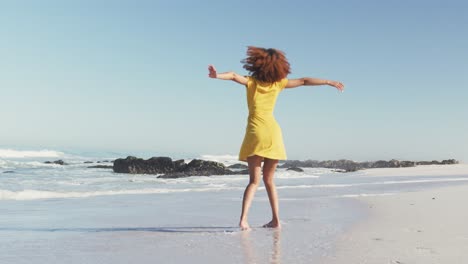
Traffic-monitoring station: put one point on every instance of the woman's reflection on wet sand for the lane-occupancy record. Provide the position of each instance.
(251, 255)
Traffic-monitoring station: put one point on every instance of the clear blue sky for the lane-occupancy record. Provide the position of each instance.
(131, 76)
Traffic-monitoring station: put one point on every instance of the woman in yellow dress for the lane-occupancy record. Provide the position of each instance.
(263, 141)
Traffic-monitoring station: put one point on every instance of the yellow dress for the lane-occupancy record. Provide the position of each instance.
(263, 135)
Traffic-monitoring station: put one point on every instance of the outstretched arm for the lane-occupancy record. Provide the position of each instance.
(226, 75)
(293, 83)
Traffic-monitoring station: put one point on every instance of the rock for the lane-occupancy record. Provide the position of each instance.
(238, 166)
(8, 172)
(59, 162)
(339, 170)
(178, 168)
(343, 164)
(386, 164)
(87, 162)
(394, 163)
(101, 167)
(407, 163)
(296, 169)
(133, 165)
(242, 172)
(179, 165)
(174, 175)
(435, 162)
(349, 165)
(198, 167)
(449, 162)
(170, 169)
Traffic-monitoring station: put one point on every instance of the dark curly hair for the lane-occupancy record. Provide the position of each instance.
(266, 65)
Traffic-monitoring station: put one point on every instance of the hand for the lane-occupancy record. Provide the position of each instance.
(212, 71)
(337, 85)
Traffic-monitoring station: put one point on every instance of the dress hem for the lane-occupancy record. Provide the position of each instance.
(263, 156)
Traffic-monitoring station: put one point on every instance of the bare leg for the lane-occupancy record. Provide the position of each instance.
(269, 167)
(255, 163)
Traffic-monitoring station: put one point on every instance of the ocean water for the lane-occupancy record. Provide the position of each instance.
(25, 176)
(54, 214)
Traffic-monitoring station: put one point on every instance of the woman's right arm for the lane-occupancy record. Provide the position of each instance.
(293, 83)
(232, 76)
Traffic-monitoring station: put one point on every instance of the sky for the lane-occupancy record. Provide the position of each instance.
(131, 76)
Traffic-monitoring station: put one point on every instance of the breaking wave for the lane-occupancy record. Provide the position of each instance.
(45, 153)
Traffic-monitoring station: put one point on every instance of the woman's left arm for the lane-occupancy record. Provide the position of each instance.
(293, 83)
(232, 76)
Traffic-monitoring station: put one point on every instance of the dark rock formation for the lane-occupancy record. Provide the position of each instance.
(449, 162)
(210, 167)
(170, 169)
(59, 162)
(178, 168)
(238, 166)
(155, 165)
(241, 172)
(339, 170)
(8, 172)
(296, 169)
(349, 165)
(407, 163)
(435, 162)
(101, 167)
(179, 165)
(87, 162)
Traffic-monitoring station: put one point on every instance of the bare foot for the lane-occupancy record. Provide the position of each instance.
(273, 224)
(244, 225)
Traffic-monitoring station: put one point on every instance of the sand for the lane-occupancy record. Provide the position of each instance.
(427, 227)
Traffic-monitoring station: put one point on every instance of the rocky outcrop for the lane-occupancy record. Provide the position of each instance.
(349, 165)
(169, 168)
(296, 169)
(435, 162)
(178, 168)
(59, 162)
(101, 167)
(238, 166)
(133, 165)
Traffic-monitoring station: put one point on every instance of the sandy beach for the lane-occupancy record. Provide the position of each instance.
(417, 227)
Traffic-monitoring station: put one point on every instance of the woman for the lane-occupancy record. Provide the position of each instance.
(263, 141)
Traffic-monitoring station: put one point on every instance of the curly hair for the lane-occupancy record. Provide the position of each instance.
(266, 65)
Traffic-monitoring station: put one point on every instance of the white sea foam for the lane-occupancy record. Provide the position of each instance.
(38, 194)
(414, 181)
(45, 153)
(306, 186)
(9, 164)
(363, 195)
(295, 176)
(226, 159)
